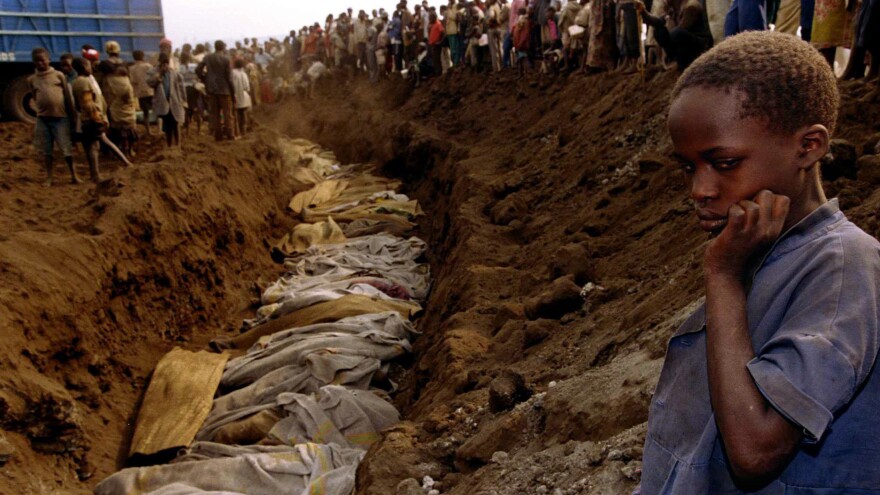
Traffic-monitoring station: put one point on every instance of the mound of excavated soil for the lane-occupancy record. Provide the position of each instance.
(534, 190)
(97, 283)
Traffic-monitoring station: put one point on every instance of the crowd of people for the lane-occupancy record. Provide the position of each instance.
(590, 35)
(96, 101)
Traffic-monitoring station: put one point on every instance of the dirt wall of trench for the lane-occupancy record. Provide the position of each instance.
(535, 189)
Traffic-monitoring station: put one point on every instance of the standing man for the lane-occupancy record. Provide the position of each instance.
(295, 51)
(435, 38)
(216, 72)
(360, 39)
(494, 24)
(140, 72)
(453, 33)
(167, 47)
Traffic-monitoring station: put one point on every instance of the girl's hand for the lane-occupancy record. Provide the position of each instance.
(752, 227)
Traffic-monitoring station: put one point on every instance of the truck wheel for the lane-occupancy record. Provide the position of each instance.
(17, 101)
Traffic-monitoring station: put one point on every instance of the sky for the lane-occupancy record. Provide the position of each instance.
(188, 21)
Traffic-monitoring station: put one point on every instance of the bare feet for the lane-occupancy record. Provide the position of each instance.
(47, 183)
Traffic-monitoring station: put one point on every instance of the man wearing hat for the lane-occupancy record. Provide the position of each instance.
(167, 47)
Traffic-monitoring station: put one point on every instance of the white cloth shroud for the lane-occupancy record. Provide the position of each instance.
(303, 470)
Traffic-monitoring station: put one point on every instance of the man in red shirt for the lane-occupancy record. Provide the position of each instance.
(436, 33)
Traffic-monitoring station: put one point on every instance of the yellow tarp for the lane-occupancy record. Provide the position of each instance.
(177, 401)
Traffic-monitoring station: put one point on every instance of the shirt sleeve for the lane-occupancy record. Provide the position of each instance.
(828, 340)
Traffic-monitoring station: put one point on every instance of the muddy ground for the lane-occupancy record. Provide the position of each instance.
(533, 188)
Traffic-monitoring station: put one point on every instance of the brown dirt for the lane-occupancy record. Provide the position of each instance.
(532, 188)
(97, 283)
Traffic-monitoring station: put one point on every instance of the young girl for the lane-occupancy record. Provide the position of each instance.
(168, 100)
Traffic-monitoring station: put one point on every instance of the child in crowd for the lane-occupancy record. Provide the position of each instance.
(522, 33)
(90, 109)
(52, 99)
(771, 386)
(242, 86)
(195, 94)
(123, 113)
(551, 52)
(65, 64)
(140, 72)
(169, 98)
(549, 31)
(629, 36)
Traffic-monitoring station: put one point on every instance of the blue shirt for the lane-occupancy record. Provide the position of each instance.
(813, 311)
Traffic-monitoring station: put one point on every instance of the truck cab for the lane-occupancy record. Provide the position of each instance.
(64, 27)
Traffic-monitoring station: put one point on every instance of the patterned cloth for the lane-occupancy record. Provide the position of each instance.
(603, 42)
(832, 24)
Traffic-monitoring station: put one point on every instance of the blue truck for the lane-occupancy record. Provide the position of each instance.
(64, 26)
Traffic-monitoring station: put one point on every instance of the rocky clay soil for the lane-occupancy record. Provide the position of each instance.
(536, 192)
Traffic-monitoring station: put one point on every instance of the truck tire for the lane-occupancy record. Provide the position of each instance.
(17, 104)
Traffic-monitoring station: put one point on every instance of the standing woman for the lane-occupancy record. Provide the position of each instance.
(832, 27)
(92, 123)
(168, 100)
(602, 51)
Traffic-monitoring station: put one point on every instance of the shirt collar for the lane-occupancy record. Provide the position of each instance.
(817, 223)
